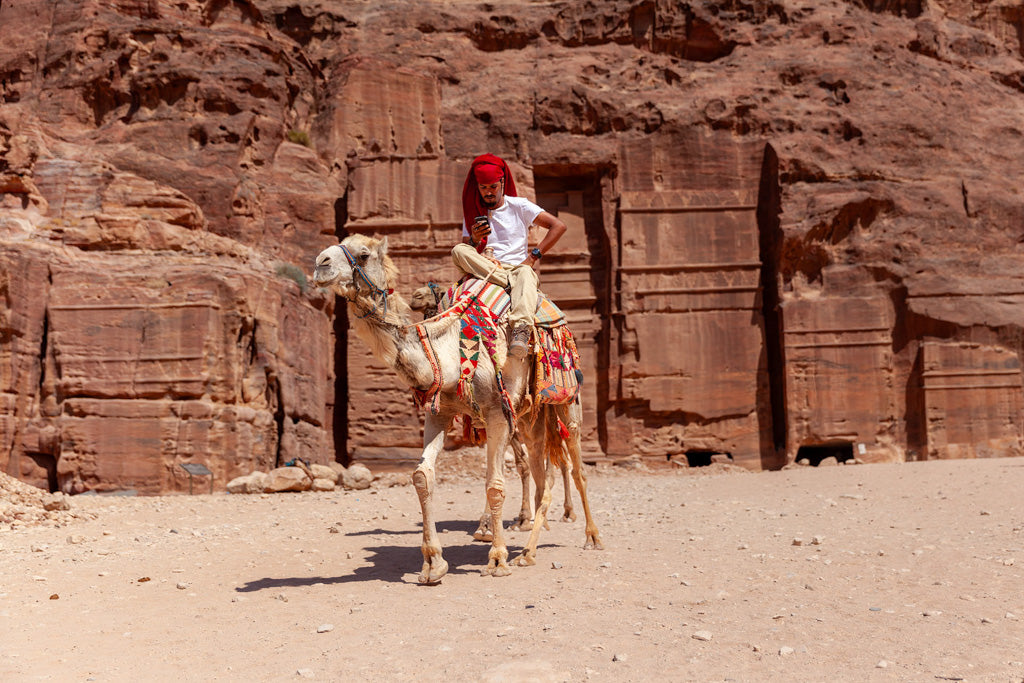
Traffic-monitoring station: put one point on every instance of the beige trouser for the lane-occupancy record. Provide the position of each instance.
(522, 280)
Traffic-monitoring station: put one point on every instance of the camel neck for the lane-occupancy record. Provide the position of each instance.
(392, 341)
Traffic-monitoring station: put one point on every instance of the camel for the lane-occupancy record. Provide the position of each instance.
(426, 300)
(360, 270)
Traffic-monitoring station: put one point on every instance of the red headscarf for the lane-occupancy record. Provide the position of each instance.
(486, 169)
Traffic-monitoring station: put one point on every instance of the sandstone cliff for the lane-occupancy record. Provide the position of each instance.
(796, 227)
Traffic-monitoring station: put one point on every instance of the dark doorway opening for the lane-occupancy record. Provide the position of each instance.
(340, 328)
(706, 458)
(576, 275)
(340, 417)
(44, 473)
(770, 237)
(815, 454)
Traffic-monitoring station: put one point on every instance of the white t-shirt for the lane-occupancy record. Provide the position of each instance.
(509, 226)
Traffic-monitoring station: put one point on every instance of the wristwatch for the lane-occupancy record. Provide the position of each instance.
(536, 253)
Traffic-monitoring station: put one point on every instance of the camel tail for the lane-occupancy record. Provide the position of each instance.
(557, 435)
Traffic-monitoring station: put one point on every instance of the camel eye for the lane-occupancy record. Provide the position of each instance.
(364, 256)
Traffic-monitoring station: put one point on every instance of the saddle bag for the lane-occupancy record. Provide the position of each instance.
(557, 376)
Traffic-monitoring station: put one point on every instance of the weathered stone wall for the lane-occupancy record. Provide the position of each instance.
(794, 226)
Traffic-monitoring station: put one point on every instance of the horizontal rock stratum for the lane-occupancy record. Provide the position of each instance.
(795, 228)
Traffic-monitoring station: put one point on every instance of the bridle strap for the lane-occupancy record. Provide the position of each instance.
(436, 291)
(377, 295)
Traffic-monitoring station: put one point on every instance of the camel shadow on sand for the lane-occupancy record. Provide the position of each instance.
(464, 526)
(399, 564)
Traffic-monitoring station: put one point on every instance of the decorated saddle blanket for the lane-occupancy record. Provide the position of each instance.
(478, 332)
(480, 306)
(498, 301)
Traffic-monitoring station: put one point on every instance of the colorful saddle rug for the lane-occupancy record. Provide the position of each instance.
(478, 333)
(498, 301)
(480, 306)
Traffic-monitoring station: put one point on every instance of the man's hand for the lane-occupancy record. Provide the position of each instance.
(531, 261)
(481, 229)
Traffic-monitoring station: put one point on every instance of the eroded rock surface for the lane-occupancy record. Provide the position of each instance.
(792, 225)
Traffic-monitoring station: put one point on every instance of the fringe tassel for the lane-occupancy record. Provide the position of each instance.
(563, 431)
(470, 434)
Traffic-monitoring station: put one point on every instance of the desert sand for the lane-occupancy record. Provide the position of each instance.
(882, 572)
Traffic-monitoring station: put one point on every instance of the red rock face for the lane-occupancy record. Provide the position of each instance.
(794, 227)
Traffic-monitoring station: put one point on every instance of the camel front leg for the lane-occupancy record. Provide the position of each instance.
(497, 441)
(434, 566)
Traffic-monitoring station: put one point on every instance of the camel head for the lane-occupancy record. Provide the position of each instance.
(422, 299)
(355, 267)
(425, 300)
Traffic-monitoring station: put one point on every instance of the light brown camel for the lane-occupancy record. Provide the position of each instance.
(426, 300)
(360, 270)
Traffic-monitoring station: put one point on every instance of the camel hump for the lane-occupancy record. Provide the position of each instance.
(498, 301)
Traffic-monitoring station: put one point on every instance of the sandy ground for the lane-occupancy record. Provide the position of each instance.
(909, 572)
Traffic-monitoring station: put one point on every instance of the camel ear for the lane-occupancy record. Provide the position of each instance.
(382, 248)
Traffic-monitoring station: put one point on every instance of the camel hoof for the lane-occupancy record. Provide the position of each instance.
(497, 562)
(523, 525)
(593, 543)
(483, 535)
(569, 517)
(500, 570)
(433, 575)
(525, 560)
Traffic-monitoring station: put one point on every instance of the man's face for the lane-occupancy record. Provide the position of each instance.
(491, 193)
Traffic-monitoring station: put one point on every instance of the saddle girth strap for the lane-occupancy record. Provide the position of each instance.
(433, 393)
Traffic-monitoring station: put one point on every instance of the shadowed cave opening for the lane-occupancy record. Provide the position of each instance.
(841, 451)
(772, 406)
(45, 464)
(339, 419)
(698, 458)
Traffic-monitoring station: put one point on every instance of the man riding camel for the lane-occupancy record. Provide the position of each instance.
(495, 218)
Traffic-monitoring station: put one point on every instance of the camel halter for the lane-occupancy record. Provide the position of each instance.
(378, 296)
(436, 291)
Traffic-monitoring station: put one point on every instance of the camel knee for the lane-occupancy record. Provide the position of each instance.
(423, 479)
(495, 495)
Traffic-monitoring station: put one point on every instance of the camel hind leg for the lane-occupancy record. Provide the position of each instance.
(545, 451)
(524, 521)
(483, 530)
(572, 417)
(568, 514)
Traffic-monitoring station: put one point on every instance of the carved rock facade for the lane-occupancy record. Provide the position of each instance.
(794, 228)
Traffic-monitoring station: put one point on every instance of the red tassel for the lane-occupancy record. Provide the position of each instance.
(563, 430)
